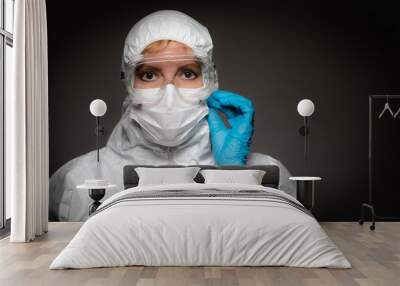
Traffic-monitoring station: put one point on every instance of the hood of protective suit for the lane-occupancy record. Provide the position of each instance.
(167, 25)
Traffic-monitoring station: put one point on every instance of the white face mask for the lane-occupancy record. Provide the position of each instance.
(168, 115)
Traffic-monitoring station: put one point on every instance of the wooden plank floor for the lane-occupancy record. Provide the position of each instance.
(375, 257)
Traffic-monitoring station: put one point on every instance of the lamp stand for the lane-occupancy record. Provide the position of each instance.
(99, 130)
(306, 131)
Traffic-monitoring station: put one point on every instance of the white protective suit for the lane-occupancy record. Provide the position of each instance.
(127, 144)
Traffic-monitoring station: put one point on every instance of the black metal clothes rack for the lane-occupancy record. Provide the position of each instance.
(370, 206)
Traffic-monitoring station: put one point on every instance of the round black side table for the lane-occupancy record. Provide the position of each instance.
(305, 190)
(96, 193)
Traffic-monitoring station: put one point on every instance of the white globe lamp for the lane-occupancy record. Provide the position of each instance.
(305, 107)
(98, 108)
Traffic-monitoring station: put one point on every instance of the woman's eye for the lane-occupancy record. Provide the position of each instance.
(148, 76)
(188, 74)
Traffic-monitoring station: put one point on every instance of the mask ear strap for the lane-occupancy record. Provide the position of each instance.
(215, 77)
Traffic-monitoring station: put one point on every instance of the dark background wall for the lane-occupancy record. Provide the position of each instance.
(333, 52)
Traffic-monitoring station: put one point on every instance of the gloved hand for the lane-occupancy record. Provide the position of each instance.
(230, 145)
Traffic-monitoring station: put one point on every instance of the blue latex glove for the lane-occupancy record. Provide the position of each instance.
(230, 145)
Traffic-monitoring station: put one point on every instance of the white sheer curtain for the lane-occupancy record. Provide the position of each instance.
(27, 171)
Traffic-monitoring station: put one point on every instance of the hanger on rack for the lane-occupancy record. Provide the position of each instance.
(387, 107)
(397, 113)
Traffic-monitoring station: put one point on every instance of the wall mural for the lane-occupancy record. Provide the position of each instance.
(173, 114)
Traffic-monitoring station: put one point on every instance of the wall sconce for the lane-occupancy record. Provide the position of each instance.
(305, 108)
(98, 108)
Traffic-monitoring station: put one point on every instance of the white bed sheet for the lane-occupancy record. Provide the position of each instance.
(200, 231)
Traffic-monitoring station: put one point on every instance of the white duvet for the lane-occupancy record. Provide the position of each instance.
(200, 231)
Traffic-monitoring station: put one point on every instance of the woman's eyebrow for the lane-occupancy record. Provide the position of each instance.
(149, 67)
(190, 65)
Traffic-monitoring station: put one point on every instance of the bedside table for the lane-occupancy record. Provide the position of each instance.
(96, 193)
(305, 190)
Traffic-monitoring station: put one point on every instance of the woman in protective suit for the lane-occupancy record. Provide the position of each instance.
(170, 116)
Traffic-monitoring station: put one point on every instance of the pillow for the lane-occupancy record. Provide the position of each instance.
(163, 176)
(248, 177)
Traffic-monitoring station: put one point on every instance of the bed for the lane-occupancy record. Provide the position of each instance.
(201, 224)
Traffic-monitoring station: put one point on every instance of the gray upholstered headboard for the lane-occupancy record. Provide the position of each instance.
(271, 177)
